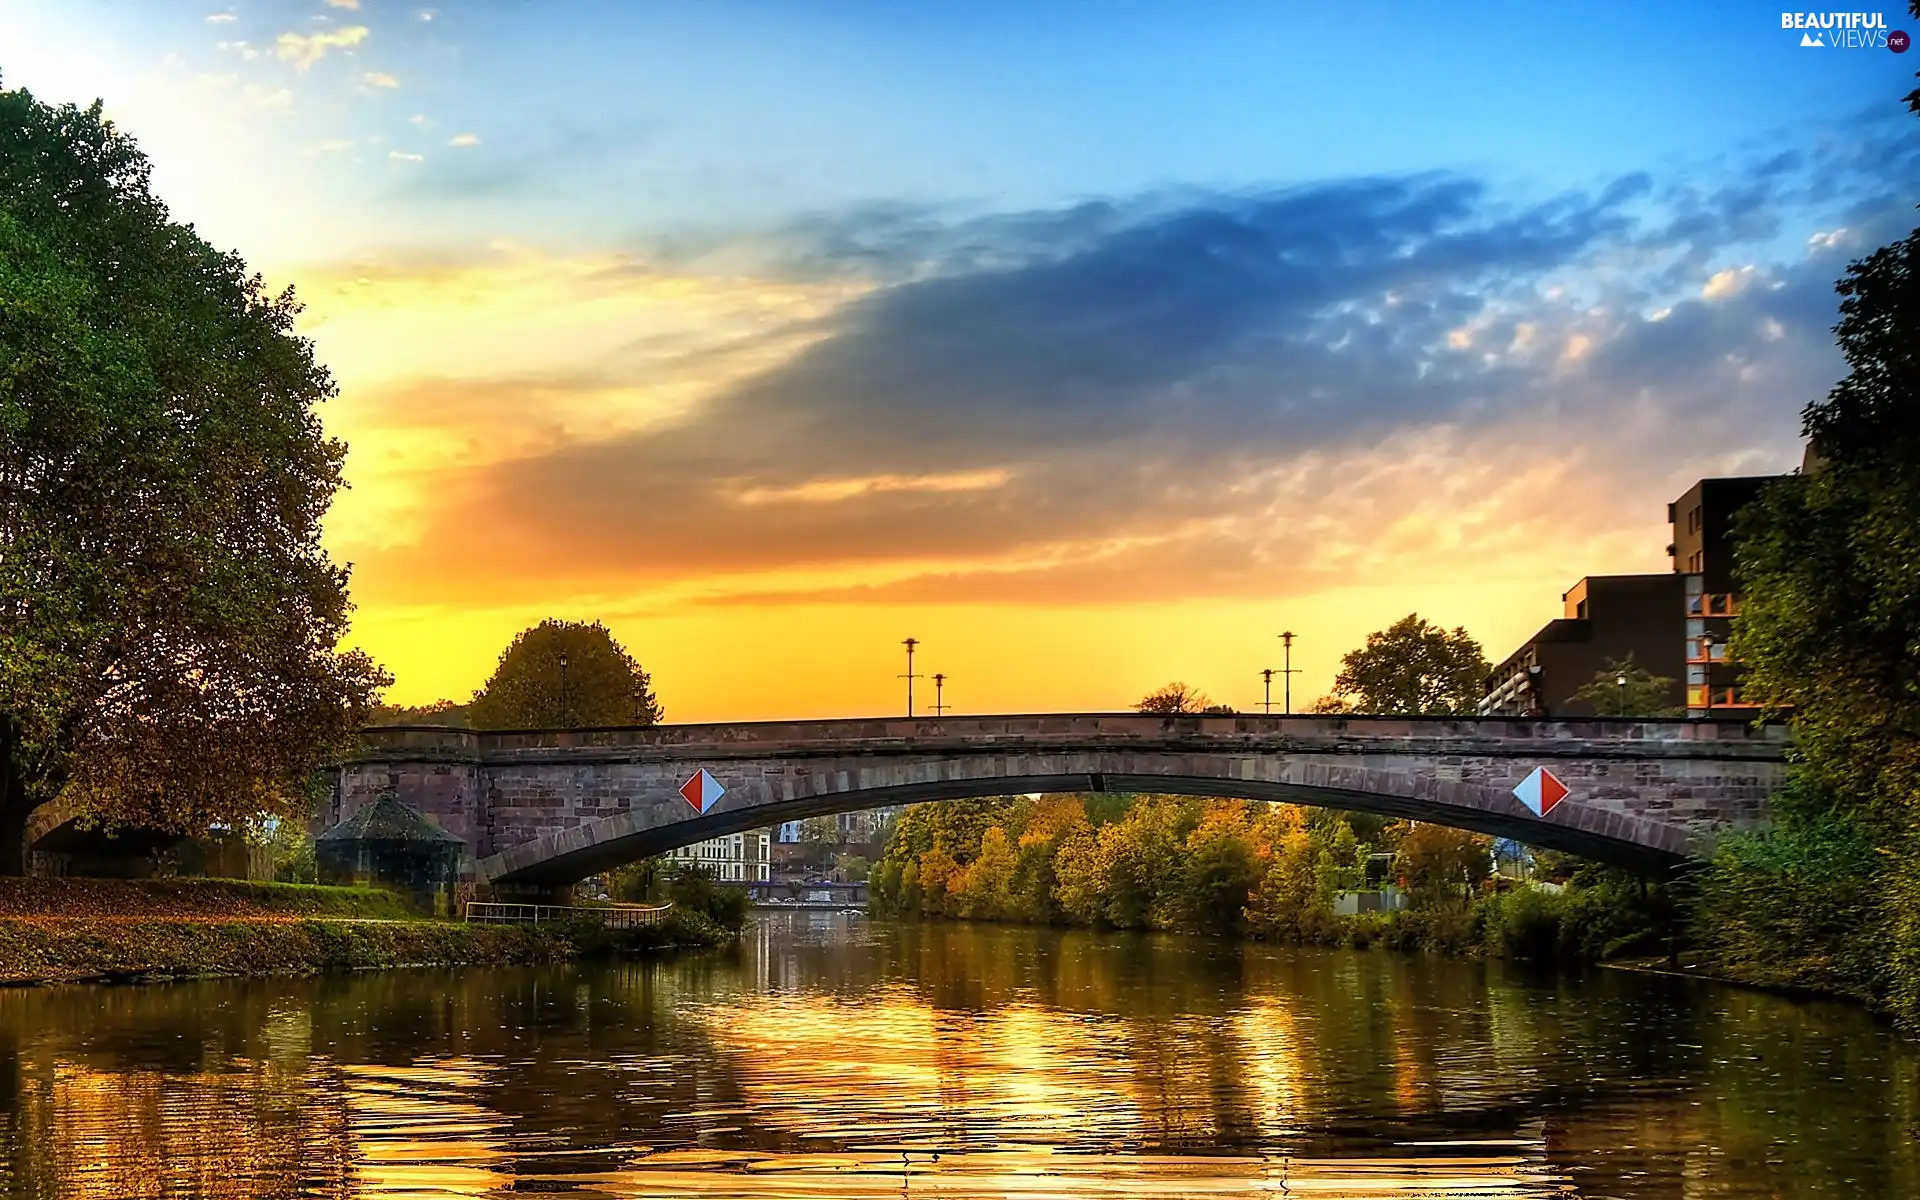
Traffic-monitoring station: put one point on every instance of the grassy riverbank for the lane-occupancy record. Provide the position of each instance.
(55, 931)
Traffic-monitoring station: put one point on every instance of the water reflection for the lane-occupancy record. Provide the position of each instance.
(833, 1058)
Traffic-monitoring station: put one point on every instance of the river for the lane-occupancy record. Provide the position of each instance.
(835, 1057)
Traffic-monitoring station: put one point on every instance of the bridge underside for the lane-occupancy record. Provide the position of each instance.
(573, 854)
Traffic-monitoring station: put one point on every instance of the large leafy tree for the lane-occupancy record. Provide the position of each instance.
(1413, 666)
(1830, 633)
(169, 623)
(565, 675)
(1830, 558)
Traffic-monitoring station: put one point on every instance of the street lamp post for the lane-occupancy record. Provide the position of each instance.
(566, 711)
(910, 643)
(1620, 682)
(939, 687)
(1287, 672)
(1706, 675)
(1266, 702)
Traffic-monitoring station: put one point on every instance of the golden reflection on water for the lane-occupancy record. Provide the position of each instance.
(957, 1063)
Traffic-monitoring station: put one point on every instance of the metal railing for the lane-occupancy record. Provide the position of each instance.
(611, 916)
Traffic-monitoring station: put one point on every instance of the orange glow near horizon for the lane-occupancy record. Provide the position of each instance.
(837, 661)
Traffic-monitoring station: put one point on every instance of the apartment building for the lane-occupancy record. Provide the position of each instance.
(733, 858)
(1675, 625)
(1702, 550)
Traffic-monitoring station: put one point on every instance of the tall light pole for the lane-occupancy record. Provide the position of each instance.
(1266, 702)
(566, 709)
(1287, 671)
(910, 643)
(1620, 681)
(939, 685)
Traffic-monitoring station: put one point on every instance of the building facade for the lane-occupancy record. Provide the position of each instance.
(1604, 619)
(1675, 625)
(1702, 551)
(735, 858)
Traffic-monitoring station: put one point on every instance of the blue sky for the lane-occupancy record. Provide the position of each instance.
(750, 325)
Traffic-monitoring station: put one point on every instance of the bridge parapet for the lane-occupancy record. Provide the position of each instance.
(1352, 734)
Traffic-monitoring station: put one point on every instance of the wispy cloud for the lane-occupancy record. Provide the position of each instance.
(404, 156)
(303, 50)
(379, 79)
(349, 4)
(219, 18)
(464, 139)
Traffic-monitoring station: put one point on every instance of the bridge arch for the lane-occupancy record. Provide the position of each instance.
(567, 856)
(542, 808)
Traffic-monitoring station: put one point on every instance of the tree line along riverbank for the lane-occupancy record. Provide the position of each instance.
(70, 930)
(1272, 872)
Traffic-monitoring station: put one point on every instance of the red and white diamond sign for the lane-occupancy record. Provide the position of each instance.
(702, 790)
(1540, 791)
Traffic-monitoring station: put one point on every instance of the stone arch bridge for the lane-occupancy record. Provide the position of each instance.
(542, 809)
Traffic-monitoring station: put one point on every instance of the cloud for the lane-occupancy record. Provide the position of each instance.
(303, 50)
(379, 79)
(1727, 282)
(220, 18)
(404, 156)
(348, 4)
(1203, 394)
(464, 139)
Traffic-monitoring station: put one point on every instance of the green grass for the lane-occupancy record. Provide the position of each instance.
(192, 898)
(54, 951)
(57, 930)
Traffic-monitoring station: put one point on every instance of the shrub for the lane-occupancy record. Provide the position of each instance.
(1803, 905)
(1526, 923)
(692, 889)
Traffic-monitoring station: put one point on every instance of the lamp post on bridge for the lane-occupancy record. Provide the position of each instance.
(1286, 672)
(939, 686)
(910, 643)
(1266, 700)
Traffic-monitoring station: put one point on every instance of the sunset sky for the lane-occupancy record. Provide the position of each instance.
(1091, 344)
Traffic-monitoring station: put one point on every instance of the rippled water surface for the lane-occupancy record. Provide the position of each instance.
(831, 1057)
